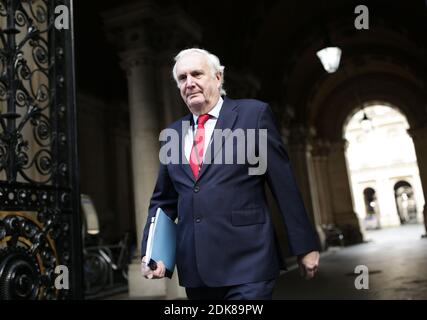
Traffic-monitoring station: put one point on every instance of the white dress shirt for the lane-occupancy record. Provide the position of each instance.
(209, 128)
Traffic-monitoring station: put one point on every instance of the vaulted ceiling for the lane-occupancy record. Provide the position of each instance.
(276, 42)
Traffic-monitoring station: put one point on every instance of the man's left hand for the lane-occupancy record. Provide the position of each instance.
(308, 264)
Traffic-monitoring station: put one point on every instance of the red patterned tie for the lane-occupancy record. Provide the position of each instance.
(196, 155)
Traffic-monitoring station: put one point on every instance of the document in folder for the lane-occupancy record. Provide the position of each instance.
(161, 243)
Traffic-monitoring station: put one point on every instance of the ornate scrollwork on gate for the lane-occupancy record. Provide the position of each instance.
(28, 255)
(38, 173)
(25, 86)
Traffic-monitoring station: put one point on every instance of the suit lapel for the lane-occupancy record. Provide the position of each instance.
(186, 123)
(227, 118)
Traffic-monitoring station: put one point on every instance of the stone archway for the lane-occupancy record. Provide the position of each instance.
(328, 117)
(382, 64)
(379, 156)
(323, 107)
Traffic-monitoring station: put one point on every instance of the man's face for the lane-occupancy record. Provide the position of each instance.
(199, 88)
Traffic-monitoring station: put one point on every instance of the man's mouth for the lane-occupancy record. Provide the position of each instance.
(192, 94)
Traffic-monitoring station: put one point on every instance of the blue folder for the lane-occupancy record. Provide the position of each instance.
(161, 243)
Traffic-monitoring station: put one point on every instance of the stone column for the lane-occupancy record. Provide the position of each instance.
(299, 152)
(419, 136)
(144, 128)
(341, 200)
(320, 181)
(419, 196)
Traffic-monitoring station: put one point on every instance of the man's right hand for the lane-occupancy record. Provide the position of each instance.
(308, 264)
(146, 271)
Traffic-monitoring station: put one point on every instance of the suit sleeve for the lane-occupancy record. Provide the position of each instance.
(165, 197)
(301, 235)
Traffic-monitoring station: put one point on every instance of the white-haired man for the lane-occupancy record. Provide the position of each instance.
(226, 246)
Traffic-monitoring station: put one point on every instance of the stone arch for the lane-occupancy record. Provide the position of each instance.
(370, 103)
(336, 107)
(330, 111)
(324, 102)
(405, 202)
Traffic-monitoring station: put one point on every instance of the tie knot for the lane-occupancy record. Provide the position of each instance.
(201, 120)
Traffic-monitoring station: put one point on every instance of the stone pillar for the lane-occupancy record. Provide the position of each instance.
(146, 35)
(419, 196)
(144, 128)
(299, 153)
(341, 200)
(320, 181)
(419, 136)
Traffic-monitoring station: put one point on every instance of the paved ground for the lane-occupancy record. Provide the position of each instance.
(396, 259)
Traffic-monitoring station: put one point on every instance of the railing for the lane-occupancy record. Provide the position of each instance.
(106, 268)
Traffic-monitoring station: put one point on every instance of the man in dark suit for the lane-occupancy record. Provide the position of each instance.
(226, 245)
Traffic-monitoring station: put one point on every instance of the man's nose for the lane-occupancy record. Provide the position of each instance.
(190, 81)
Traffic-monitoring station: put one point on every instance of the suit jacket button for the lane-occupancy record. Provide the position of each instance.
(196, 189)
(198, 220)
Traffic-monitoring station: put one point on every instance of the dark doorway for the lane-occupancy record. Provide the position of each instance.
(405, 202)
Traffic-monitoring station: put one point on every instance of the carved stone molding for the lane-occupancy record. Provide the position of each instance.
(137, 57)
(320, 148)
(301, 134)
(145, 33)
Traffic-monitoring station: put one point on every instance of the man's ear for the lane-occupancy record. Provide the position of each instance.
(219, 78)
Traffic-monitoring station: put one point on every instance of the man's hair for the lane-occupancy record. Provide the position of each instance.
(213, 62)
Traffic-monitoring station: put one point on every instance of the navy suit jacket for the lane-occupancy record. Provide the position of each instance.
(225, 234)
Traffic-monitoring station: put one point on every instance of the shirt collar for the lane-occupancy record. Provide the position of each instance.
(214, 113)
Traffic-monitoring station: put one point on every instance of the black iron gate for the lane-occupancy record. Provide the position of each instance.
(40, 238)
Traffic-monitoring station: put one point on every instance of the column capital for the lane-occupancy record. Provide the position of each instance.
(136, 57)
(339, 145)
(320, 148)
(301, 134)
(146, 27)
